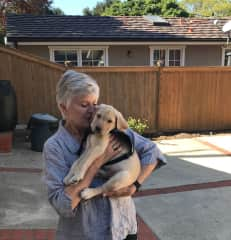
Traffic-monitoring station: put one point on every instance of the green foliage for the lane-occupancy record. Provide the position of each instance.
(137, 8)
(55, 11)
(98, 9)
(1, 39)
(36, 7)
(207, 8)
(1, 33)
(137, 125)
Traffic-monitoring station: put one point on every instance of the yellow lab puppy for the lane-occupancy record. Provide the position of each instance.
(122, 172)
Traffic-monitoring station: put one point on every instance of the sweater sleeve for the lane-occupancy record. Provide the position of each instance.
(147, 150)
(54, 172)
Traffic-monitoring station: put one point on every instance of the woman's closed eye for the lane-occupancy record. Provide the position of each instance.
(88, 105)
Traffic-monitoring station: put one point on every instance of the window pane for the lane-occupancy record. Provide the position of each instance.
(93, 58)
(227, 57)
(68, 57)
(59, 56)
(171, 55)
(174, 57)
(159, 57)
(71, 55)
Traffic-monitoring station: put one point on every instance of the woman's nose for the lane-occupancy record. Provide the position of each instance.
(91, 108)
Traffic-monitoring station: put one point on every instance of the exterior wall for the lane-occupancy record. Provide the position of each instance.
(139, 55)
(41, 51)
(128, 56)
(203, 56)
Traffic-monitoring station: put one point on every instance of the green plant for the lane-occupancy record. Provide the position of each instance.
(137, 125)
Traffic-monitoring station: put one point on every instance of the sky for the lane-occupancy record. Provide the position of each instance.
(74, 7)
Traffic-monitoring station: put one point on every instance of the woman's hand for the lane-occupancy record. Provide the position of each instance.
(123, 192)
(112, 150)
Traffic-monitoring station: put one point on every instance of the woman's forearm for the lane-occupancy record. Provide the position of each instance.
(146, 171)
(74, 190)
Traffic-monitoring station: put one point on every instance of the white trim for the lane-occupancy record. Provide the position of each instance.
(78, 50)
(167, 48)
(117, 43)
(106, 57)
(223, 55)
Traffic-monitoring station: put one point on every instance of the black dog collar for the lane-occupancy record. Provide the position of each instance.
(125, 138)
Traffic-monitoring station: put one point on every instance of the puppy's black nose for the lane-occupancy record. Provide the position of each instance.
(97, 129)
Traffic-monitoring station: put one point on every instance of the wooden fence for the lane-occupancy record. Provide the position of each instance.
(194, 98)
(171, 99)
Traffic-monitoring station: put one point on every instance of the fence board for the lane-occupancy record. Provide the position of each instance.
(194, 99)
(34, 81)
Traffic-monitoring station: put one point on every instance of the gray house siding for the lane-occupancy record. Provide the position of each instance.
(41, 51)
(203, 55)
(128, 56)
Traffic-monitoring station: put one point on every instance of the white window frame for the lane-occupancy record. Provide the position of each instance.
(223, 55)
(167, 48)
(79, 49)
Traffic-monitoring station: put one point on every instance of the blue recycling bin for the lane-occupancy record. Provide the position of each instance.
(41, 126)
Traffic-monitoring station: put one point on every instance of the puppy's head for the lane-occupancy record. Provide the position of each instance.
(107, 118)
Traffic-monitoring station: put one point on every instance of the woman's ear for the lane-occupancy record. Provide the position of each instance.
(121, 122)
(63, 110)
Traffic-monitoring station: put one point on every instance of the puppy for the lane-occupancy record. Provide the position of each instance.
(122, 173)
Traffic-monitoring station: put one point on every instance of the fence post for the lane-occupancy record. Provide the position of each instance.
(157, 98)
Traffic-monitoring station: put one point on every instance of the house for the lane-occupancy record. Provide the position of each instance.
(121, 40)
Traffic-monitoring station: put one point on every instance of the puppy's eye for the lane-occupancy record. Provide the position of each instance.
(98, 115)
(109, 121)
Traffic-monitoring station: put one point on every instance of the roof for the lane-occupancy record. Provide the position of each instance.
(30, 28)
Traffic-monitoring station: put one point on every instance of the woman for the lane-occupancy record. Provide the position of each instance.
(110, 217)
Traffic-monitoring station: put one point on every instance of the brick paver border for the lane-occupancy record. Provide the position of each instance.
(144, 233)
(215, 147)
(27, 234)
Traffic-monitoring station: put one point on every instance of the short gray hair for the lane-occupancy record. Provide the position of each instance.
(74, 83)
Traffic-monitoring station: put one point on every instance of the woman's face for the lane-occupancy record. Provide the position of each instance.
(78, 113)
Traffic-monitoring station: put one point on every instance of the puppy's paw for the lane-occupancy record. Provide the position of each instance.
(78, 177)
(88, 193)
(69, 180)
(66, 180)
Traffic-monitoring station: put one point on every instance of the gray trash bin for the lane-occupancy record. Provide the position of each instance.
(41, 126)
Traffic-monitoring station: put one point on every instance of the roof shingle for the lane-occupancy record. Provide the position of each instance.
(117, 28)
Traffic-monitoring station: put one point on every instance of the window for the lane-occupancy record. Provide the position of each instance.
(159, 57)
(82, 56)
(65, 56)
(167, 56)
(92, 58)
(174, 57)
(226, 58)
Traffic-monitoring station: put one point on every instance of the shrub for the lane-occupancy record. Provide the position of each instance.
(137, 125)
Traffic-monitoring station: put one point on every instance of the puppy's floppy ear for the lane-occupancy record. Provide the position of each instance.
(121, 122)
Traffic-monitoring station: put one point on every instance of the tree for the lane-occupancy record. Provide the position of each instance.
(207, 8)
(37, 7)
(98, 9)
(138, 8)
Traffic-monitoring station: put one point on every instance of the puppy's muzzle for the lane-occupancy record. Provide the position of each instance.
(98, 129)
